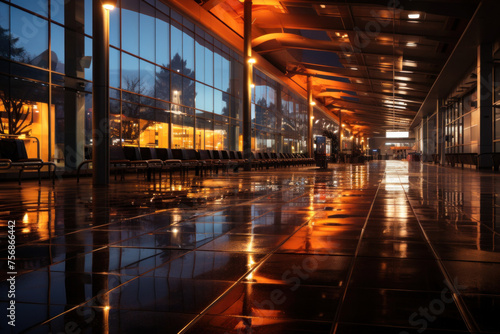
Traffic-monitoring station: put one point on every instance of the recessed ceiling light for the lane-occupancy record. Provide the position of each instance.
(354, 68)
(322, 6)
(414, 16)
(411, 44)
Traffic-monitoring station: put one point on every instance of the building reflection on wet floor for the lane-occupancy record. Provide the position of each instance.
(384, 247)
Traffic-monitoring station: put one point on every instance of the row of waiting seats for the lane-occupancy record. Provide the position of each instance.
(160, 160)
(13, 155)
(469, 159)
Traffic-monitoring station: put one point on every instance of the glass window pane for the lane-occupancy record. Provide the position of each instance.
(88, 56)
(209, 135)
(88, 17)
(237, 78)
(70, 50)
(218, 69)
(218, 103)
(154, 134)
(164, 8)
(114, 67)
(33, 37)
(40, 7)
(209, 64)
(57, 45)
(147, 32)
(200, 59)
(130, 26)
(200, 133)
(130, 123)
(226, 73)
(226, 99)
(188, 53)
(115, 122)
(209, 99)
(234, 137)
(162, 40)
(57, 10)
(176, 88)
(4, 19)
(130, 73)
(162, 82)
(147, 78)
(220, 136)
(200, 96)
(176, 47)
(188, 92)
(188, 131)
(114, 27)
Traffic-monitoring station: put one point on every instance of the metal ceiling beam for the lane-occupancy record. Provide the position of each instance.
(333, 69)
(208, 5)
(347, 74)
(281, 41)
(450, 8)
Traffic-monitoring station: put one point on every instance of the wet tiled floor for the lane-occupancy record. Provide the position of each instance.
(385, 247)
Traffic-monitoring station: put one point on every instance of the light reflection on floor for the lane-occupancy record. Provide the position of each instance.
(354, 249)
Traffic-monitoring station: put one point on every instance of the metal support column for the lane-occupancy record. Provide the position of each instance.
(440, 133)
(247, 82)
(310, 139)
(425, 139)
(100, 94)
(485, 103)
(341, 132)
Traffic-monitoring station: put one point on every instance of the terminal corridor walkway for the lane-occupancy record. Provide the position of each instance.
(382, 247)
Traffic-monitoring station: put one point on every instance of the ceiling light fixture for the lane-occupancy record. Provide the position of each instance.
(322, 6)
(411, 44)
(414, 16)
(109, 4)
(252, 60)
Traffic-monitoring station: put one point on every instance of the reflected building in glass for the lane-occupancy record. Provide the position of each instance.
(172, 83)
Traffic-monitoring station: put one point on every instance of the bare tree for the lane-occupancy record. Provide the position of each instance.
(18, 112)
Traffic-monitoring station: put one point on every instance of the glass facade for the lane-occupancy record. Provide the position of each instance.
(496, 109)
(462, 124)
(172, 84)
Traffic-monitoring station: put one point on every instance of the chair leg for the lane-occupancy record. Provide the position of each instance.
(39, 177)
(19, 177)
